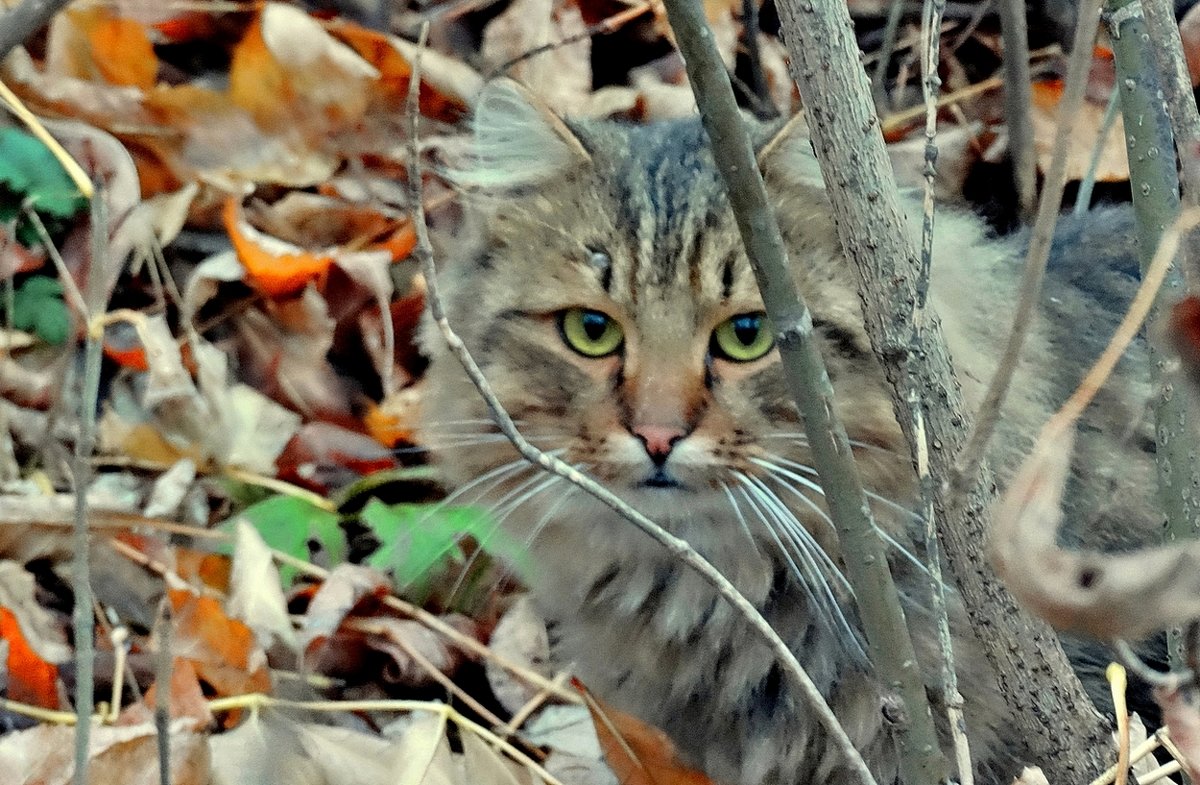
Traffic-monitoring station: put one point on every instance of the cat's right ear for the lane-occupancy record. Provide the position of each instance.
(518, 142)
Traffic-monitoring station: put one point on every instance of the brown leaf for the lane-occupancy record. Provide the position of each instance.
(639, 754)
(222, 650)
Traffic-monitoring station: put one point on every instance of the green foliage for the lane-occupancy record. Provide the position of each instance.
(38, 307)
(424, 542)
(288, 524)
(30, 176)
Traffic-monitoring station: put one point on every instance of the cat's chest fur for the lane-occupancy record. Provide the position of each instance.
(595, 228)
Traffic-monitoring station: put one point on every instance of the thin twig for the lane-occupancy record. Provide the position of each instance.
(18, 24)
(1018, 93)
(971, 456)
(891, 647)
(163, 661)
(603, 27)
(931, 20)
(676, 547)
(887, 48)
(1117, 685)
(1083, 199)
(81, 580)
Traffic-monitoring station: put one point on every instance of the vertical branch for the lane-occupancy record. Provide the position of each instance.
(1018, 92)
(1050, 709)
(931, 24)
(81, 581)
(891, 29)
(1152, 173)
(890, 644)
(758, 78)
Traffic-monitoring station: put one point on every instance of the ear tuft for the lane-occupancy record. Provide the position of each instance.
(787, 157)
(518, 142)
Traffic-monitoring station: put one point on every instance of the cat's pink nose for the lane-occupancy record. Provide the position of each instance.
(658, 440)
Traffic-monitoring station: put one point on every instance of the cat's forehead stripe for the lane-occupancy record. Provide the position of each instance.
(667, 195)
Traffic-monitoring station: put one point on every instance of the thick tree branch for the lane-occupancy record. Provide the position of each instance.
(1051, 710)
(1152, 171)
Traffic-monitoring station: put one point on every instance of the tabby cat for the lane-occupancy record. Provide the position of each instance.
(611, 306)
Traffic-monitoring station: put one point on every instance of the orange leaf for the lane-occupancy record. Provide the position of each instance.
(123, 52)
(274, 268)
(638, 754)
(257, 82)
(31, 679)
(221, 649)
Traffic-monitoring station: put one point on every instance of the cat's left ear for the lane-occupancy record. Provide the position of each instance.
(786, 157)
(518, 141)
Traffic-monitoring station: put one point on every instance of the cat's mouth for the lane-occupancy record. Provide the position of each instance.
(661, 478)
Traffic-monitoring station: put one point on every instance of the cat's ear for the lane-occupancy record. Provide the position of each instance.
(786, 157)
(518, 141)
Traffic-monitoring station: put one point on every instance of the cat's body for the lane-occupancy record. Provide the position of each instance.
(632, 223)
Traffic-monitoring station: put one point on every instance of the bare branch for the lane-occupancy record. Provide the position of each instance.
(931, 22)
(675, 546)
(1039, 249)
(1018, 91)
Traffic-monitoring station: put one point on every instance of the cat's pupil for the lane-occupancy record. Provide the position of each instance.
(594, 325)
(746, 329)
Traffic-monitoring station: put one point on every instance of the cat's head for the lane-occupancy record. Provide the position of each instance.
(614, 311)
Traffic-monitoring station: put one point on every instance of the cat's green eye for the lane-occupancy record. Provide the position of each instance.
(591, 333)
(743, 338)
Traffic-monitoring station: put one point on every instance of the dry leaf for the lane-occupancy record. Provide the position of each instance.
(639, 754)
(562, 77)
(256, 595)
(44, 755)
(520, 637)
(1113, 165)
(222, 650)
(290, 74)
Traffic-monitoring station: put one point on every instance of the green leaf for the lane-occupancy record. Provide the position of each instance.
(288, 523)
(38, 306)
(31, 177)
(420, 540)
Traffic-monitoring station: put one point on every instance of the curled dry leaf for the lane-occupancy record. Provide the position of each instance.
(639, 754)
(221, 649)
(186, 701)
(1113, 165)
(1106, 596)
